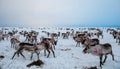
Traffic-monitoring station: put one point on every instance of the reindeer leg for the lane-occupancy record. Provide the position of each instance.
(105, 58)
(38, 55)
(76, 44)
(31, 56)
(79, 44)
(22, 54)
(18, 54)
(48, 53)
(54, 47)
(14, 54)
(53, 52)
(11, 45)
(118, 41)
(44, 52)
(101, 60)
(112, 56)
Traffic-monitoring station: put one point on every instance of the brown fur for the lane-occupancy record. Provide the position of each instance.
(46, 43)
(33, 48)
(36, 63)
(92, 68)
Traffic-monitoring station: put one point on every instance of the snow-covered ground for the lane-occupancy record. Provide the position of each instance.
(67, 55)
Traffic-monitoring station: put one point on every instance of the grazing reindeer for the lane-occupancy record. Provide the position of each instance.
(100, 50)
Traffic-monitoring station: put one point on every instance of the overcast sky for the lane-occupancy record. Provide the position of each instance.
(38, 13)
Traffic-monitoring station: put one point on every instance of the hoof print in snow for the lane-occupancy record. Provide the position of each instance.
(67, 49)
(36, 63)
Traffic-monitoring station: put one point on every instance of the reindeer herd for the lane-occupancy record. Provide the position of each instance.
(33, 44)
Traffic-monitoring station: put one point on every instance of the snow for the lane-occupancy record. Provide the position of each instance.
(67, 55)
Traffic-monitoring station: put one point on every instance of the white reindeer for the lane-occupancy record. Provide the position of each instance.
(100, 50)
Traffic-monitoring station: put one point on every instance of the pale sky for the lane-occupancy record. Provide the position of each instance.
(38, 13)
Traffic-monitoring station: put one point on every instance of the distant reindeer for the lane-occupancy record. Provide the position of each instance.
(14, 41)
(79, 38)
(99, 33)
(52, 41)
(1, 37)
(90, 42)
(100, 50)
(47, 44)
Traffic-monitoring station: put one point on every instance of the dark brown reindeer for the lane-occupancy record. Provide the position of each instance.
(100, 50)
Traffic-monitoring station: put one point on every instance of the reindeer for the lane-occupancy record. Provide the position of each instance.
(1, 37)
(47, 44)
(14, 41)
(31, 37)
(100, 50)
(79, 38)
(52, 41)
(34, 48)
(90, 42)
(99, 33)
(118, 38)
